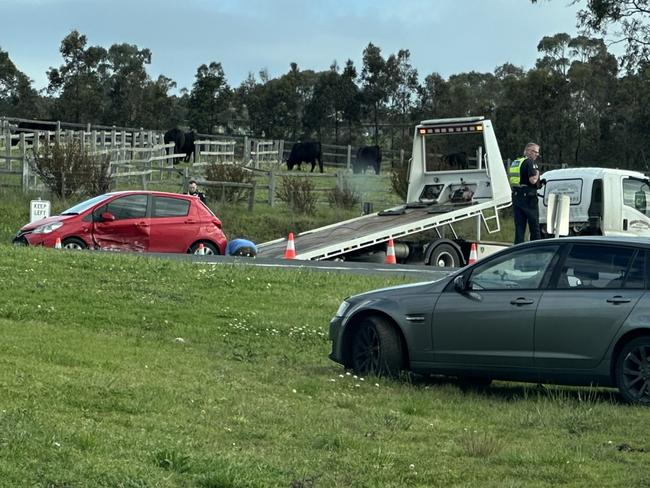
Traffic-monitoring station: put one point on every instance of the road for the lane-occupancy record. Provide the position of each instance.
(417, 272)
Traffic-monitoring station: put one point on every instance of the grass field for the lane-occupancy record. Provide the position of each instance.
(127, 371)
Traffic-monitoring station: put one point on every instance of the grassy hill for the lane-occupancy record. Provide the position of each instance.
(126, 371)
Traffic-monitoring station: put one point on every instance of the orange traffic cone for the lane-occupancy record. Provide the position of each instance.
(290, 252)
(390, 253)
(473, 254)
(57, 244)
(201, 250)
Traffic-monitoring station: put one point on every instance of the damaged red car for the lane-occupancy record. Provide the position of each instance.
(131, 221)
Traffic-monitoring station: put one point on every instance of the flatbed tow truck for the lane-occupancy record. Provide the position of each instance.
(438, 197)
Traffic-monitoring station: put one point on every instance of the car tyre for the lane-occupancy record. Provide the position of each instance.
(633, 371)
(208, 249)
(377, 348)
(445, 256)
(73, 243)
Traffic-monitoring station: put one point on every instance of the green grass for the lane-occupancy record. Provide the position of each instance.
(127, 371)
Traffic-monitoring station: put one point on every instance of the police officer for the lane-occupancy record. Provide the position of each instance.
(523, 174)
(193, 189)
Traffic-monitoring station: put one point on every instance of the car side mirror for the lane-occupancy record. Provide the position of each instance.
(460, 284)
(107, 217)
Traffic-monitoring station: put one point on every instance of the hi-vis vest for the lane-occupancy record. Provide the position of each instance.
(514, 171)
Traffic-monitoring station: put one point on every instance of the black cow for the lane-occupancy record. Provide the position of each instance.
(367, 156)
(457, 159)
(183, 142)
(29, 127)
(305, 152)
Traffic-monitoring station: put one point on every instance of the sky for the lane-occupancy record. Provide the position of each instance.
(443, 36)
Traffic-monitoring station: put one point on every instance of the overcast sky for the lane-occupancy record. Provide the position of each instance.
(444, 36)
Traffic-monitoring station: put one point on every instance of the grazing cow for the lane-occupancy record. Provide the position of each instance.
(457, 159)
(367, 156)
(183, 142)
(305, 152)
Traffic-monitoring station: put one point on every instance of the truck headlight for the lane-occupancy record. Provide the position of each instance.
(342, 309)
(47, 228)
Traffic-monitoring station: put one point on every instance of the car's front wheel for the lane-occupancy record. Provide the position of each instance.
(73, 243)
(377, 348)
(633, 371)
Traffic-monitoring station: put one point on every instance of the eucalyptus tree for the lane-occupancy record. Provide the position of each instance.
(17, 97)
(209, 99)
(126, 85)
(80, 81)
(402, 90)
(375, 84)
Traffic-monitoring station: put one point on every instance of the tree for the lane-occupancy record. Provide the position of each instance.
(127, 83)
(209, 98)
(17, 97)
(375, 84)
(402, 87)
(80, 82)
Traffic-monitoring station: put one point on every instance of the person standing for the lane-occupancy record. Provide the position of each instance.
(193, 189)
(523, 174)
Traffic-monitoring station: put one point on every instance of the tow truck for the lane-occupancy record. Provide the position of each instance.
(439, 196)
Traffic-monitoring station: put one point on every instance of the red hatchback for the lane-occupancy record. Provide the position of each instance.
(131, 221)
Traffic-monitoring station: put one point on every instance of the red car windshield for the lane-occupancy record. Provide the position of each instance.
(85, 205)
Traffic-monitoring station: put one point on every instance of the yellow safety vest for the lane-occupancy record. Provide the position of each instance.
(514, 171)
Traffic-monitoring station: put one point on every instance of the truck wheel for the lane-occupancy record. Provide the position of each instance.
(377, 348)
(73, 243)
(445, 256)
(633, 371)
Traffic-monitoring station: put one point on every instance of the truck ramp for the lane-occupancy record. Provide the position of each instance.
(365, 231)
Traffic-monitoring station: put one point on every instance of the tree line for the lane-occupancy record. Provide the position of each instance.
(579, 102)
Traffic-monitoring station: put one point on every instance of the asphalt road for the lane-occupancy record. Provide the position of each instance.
(417, 272)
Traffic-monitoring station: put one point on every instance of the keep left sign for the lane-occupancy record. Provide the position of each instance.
(39, 209)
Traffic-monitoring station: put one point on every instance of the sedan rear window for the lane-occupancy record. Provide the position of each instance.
(591, 266)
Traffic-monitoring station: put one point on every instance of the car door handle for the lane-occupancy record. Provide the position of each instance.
(190, 221)
(618, 299)
(141, 224)
(522, 301)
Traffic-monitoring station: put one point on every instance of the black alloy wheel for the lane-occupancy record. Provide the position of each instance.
(633, 371)
(377, 348)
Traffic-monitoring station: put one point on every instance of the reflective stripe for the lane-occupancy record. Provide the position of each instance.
(514, 171)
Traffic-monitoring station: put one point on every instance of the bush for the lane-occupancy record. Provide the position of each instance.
(67, 169)
(343, 196)
(399, 180)
(298, 194)
(229, 173)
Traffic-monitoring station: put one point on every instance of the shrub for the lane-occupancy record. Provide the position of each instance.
(67, 169)
(229, 173)
(399, 180)
(298, 194)
(343, 196)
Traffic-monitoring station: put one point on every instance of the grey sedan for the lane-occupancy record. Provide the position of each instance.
(571, 311)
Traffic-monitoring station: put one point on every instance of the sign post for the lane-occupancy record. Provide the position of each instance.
(39, 209)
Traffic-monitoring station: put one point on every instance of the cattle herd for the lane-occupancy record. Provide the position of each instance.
(310, 152)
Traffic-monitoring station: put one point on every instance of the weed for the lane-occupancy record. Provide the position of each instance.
(298, 194)
(480, 444)
(343, 196)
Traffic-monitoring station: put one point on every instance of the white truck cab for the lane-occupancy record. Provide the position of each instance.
(603, 201)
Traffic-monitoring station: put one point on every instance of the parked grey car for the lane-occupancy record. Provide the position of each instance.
(567, 311)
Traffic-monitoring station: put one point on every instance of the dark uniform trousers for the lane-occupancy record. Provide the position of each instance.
(526, 211)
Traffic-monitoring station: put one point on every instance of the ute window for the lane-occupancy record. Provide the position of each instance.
(636, 194)
(170, 207)
(128, 207)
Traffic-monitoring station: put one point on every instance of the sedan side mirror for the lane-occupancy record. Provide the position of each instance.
(107, 217)
(460, 285)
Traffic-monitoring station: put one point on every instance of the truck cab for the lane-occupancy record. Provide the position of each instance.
(603, 201)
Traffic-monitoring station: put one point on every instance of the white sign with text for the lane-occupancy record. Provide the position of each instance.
(39, 209)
